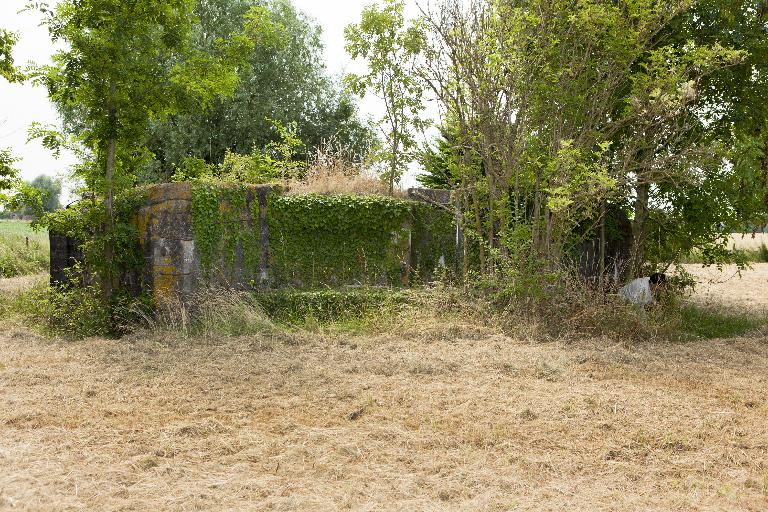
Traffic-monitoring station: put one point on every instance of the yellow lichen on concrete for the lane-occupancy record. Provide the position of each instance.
(164, 286)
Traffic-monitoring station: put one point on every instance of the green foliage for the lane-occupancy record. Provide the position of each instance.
(325, 240)
(18, 259)
(225, 221)
(78, 312)
(301, 306)
(282, 79)
(7, 69)
(9, 175)
(433, 242)
(48, 190)
(318, 240)
(81, 222)
(122, 66)
(533, 145)
(15, 194)
(276, 161)
(390, 49)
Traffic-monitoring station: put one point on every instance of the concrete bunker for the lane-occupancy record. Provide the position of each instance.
(255, 237)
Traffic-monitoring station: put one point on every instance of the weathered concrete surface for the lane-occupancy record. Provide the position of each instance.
(65, 253)
(172, 261)
(167, 238)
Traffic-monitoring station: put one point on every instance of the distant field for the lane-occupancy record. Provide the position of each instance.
(21, 228)
(17, 258)
(746, 290)
(747, 241)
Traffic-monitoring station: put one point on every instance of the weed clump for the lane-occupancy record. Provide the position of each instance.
(209, 313)
(78, 311)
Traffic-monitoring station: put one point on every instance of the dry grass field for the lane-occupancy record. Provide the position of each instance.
(746, 290)
(748, 242)
(428, 417)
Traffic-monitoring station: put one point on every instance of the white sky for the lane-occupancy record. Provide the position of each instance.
(22, 104)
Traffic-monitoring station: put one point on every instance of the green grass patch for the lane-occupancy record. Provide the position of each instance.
(707, 323)
(22, 250)
(348, 310)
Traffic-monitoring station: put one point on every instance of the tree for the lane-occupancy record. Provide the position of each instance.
(391, 50)
(50, 189)
(282, 81)
(735, 98)
(12, 189)
(7, 68)
(575, 110)
(125, 64)
(8, 173)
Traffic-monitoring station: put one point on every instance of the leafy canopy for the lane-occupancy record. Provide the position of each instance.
(281, 79)
(390, 47)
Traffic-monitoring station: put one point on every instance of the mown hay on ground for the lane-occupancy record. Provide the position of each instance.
(446, 416)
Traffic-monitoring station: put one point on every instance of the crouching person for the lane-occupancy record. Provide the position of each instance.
(644, 290)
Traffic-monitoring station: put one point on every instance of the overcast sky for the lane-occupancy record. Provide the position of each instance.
(20, 105)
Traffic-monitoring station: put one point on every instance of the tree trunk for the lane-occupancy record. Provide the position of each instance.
(108, 280)
(393, 168)
(536, 217)
(765, 173)
(491, 221)
(603, 243)
(479, 228)
(639, 228)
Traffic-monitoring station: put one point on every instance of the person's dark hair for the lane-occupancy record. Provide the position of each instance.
(658, 279)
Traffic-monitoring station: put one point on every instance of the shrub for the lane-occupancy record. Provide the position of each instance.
(763, 253)
(78, 311)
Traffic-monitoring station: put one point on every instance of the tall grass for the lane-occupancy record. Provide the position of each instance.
(565, 309)
(209, 313)
(22, 251)
(334, 170)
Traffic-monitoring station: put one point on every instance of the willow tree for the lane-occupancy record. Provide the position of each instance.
(123, 64)
(282, 80)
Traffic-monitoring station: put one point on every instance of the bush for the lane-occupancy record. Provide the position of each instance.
(763, 253)
(563, 305)
(77, 312)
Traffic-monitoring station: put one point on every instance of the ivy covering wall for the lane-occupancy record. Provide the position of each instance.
(320, 240)
(317, 240)
(227, 236)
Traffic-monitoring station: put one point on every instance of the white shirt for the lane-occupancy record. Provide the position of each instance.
(638, 291)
